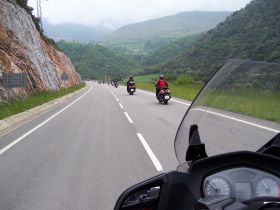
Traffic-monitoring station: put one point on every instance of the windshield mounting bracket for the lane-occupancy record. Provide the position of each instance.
(196, 149)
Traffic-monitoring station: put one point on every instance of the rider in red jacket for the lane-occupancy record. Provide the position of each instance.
(161, 83)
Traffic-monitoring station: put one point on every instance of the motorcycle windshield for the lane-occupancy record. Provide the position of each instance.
(238, 110)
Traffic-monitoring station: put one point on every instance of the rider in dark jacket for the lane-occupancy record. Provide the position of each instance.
(161, 83)
(130, 80)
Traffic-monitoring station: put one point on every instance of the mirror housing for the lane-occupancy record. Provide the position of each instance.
(144, 195)
(164, 192)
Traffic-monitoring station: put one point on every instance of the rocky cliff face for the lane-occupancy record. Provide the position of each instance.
(22, 49)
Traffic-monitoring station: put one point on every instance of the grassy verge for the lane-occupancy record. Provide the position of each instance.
(19, 105)
(255, 103)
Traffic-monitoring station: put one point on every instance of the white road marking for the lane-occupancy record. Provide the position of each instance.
(222, 115)
(177, 101)
(117, 99)
(41, 124)
(150, 153)
(127, 116)
(121, 105)
(143, 91)
(238, 120)
(180, 102)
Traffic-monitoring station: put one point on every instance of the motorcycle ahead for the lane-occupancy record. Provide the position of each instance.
(131, 88)
(228, 146)
(164, 95)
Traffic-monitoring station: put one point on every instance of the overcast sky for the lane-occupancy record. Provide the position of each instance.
(115, 13)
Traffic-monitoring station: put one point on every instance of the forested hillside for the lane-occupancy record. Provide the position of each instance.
(95, 61)
(147, 36)
(169, 51)
(251, 33)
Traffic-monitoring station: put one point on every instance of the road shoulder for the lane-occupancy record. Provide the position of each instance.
(13, 122)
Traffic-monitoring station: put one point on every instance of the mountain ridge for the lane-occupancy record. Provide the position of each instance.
(250, 33)
(161, 31)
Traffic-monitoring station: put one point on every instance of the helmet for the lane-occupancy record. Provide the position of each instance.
(161, 76)
(131, 78)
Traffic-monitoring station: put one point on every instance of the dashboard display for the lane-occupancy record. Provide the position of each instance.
(241, 184)
(243, 191)
(268, 187)
(217, 186)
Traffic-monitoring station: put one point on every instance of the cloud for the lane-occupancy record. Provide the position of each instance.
(115, 13)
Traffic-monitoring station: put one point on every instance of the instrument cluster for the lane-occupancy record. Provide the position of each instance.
(242, 184)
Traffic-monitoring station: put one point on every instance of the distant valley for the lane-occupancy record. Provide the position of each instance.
(144, 37)
(75, 32)
(168, 46)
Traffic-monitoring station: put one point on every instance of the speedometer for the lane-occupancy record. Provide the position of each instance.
(268, 186)
(216, 186)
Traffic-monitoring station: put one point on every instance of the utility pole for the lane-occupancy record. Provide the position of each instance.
(39, 13)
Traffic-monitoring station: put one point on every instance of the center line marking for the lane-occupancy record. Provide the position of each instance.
(41, 124)
(150, 153)
(117, 100)
(121, 105)
(127, 116)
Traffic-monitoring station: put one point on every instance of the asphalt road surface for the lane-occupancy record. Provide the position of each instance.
(83, 154)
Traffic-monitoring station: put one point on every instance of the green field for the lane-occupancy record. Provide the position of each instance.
(255, 103)
(20, 105)
(150, 78)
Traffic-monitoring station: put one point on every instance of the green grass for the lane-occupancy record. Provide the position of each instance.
(20, 105)
(255, 103)
(146, 78)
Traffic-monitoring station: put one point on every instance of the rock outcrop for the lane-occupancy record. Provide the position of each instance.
(22, 49)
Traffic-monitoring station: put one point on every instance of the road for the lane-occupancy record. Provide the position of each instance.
(83, 154)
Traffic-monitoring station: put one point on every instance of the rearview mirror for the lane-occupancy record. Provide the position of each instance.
(164, 192)
(144, 195)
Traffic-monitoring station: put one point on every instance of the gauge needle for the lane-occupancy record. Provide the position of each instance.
(267, 189)
(211, 184)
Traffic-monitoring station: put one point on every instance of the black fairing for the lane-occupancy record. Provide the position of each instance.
(181, 190)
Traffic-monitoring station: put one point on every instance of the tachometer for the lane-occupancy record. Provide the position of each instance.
(268, 187)
(216, 186)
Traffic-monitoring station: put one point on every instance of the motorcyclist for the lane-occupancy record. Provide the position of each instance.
(130, 80)
(160, 84)
(115, 82)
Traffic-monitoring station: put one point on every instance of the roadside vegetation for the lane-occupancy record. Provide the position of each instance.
(20, 105)
(256, 103)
